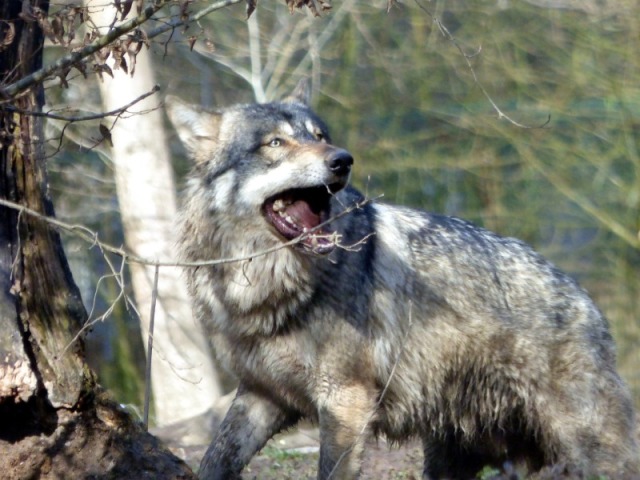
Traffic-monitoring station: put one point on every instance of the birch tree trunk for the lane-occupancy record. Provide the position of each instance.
(184, 378)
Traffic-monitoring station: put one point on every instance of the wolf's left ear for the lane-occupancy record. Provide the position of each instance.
(197, 128)
(300, 94)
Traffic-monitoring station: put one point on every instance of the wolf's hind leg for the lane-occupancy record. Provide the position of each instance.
(592, 430)
(250, 422)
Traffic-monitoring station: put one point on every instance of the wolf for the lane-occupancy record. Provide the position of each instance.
(374, 319)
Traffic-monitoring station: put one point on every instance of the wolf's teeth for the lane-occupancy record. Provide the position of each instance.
(286, 216)
(278, 205)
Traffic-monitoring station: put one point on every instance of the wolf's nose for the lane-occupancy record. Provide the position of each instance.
(340, 162)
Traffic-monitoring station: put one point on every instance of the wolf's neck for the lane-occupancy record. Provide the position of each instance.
(260, 293)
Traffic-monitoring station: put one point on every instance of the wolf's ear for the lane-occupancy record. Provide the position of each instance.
(197, 128)
(300, 94)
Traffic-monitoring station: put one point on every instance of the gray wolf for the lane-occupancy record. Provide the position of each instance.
(373, 319)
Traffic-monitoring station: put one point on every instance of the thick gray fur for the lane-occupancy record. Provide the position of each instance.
(416, 325)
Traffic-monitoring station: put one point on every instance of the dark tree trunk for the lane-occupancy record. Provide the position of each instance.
(54, 422)
(41, 306)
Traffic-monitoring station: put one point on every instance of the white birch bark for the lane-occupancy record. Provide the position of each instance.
(184, 379)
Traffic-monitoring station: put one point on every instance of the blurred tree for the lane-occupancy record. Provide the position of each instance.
(183, 376)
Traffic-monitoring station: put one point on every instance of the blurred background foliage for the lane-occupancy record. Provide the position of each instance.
(401, 97)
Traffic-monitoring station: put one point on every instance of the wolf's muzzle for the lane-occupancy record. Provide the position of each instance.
(340, 162)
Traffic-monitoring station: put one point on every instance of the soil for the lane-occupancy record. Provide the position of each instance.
(103, 442)
(381, 462)
(274, 463)
(95, 444)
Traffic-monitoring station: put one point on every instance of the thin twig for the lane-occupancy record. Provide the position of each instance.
(147, 374)
(178, 22)
(92, 238)
(68, 61)
(449, 36)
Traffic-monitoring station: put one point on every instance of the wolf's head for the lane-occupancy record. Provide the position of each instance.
(273, 161)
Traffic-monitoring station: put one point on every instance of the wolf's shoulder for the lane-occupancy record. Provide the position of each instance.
(417, 224)
(432, 237)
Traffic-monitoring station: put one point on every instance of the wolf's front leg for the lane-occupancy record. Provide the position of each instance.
(250, 422)
(345, 418)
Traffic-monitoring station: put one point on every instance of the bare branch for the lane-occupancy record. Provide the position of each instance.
(92, 238)
(96, 116)
(177, 21)
(449, 36)
(76, 57)
(147, 375)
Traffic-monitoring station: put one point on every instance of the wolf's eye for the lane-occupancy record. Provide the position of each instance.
(319, 136)
(276, 142)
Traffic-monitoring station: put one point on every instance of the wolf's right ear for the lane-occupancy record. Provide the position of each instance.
(301, 94)
(197, 128)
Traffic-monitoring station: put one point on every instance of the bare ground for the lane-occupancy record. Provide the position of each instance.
(278, 463)
(294, 456)
(103, 442)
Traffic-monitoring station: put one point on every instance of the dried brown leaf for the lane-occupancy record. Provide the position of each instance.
(102, 54)
(118, 58)
(105, 134)
(192, 41)
(81, 67)
(79, 12)
(310, 4)
(7, 34)
(45, 25)
(57, 27)
(125, 8)
(103, 68)
(184, 10)
(140, 35)
(132, 64)
(63, 77)
(251, 6)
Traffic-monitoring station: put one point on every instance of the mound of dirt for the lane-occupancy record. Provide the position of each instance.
(99, 442)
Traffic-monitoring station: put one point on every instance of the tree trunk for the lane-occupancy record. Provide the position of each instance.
(41, 306)
(54, 421)
(183, 375)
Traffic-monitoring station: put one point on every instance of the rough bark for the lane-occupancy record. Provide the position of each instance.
(54, 421)
(41, 306)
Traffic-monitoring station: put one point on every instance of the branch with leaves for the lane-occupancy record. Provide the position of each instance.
(74, 59)
(62, 66)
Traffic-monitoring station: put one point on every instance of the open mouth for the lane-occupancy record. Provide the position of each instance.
(300, 212)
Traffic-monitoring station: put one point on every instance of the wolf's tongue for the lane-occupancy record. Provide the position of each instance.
(301, 212)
